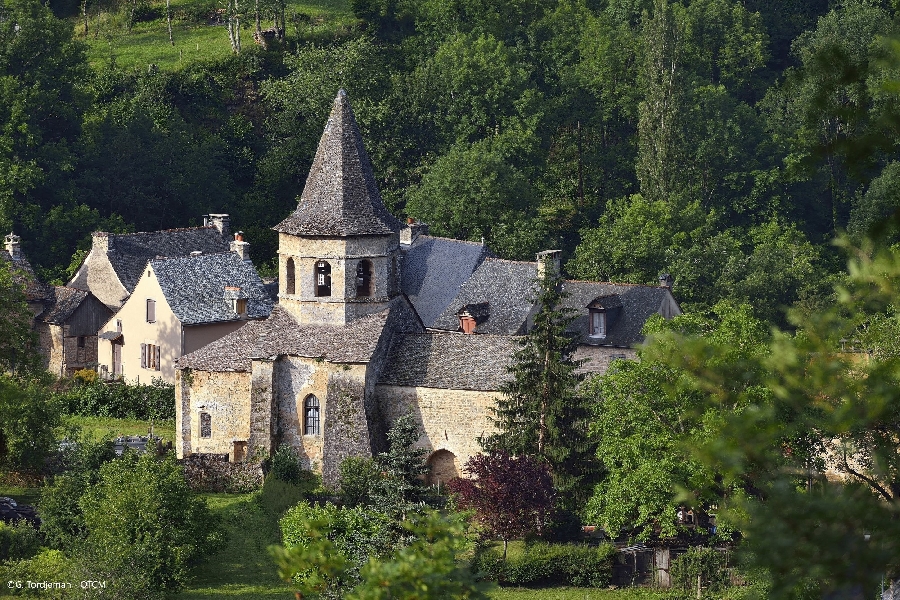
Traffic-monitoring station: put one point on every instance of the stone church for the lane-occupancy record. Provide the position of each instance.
(375, 320)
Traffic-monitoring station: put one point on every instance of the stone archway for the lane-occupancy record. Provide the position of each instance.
(443, 467)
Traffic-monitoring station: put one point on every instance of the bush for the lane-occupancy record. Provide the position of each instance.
(145, 528)
(285, 465)
(277, 496)
(708, 564)
(358, 477)
(85, 376)
(19, 540)
(48, 565)
(356, 533)
(29, 419)
(549, 564)
(120, 401)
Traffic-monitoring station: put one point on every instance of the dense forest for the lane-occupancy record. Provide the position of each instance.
(727, 142)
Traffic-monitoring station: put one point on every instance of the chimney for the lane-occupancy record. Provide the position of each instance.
(12, 246)
(472, 315)
(240, 247)
(412, 230)
(549, 258)
(666, 281)
(222, 222)
(102, 242)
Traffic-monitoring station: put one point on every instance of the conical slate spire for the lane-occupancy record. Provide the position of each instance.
(341, 197)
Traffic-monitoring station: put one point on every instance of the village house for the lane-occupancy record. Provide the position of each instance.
(374, 321)
(116, 261)
(178, 305)
(66, 320)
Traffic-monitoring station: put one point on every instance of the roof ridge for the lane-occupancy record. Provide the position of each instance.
(201, 255)
(655, 287)
(512, 262)
(449, 239)
(173, 230)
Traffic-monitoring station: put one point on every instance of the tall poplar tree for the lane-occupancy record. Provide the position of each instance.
(541, 412)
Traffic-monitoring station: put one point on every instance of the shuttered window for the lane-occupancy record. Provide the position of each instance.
(151, 311)
(150, 357)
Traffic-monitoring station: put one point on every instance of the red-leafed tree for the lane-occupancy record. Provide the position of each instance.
(511, 496)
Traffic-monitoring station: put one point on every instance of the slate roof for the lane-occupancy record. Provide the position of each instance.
(281, 334)
(506, 286)
(638, 303)
(129, 253)
(434, 268)
(23, 274)
(340, 197)
(63, 302)
(452, 361)
(509, 288)
(194, 287)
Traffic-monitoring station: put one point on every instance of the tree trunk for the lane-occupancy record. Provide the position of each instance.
(84, 14)
(505, 548)
(169, 20)
(258, 26)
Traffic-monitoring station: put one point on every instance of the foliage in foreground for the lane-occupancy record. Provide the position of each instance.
(428, 568)
(145, 528)
(824, 409)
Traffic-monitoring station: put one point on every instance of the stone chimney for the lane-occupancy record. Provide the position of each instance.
(222, 222)
(240, 247)
(549, 258)
(101, 241)
(13, 247)
(666, 281)
(412, 230)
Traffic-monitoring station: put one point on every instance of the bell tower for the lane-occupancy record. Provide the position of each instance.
(339, 251)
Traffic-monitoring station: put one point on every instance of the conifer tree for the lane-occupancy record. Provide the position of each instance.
(541, 413)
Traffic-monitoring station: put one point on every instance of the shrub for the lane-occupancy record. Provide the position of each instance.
(285, 465)
(141, 402)
(145, 527)
(357, 535)
(358, 475)
(48, 565)
(19, 540)
(706, 563)
(29, 419)
(85, 376)
(549, 564)
(277, 496)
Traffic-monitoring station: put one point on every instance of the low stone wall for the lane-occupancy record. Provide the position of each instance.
(213, 473)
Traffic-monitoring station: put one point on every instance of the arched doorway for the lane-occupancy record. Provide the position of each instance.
(443, 467)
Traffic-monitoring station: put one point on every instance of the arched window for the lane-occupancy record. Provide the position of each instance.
(289, 277)
(364, 278)
(323, 278)
(311, 419)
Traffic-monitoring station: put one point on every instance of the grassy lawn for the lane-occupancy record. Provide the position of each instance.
(103, 427)
(242, 569)
(567, 593)
(109, 41)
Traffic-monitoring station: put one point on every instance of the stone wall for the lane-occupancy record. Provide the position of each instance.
(451, 420)
(597, 358)
(343, 255)
(52, 348)
(295, 379)
(214, 473)
(346, 427)
(225, 396)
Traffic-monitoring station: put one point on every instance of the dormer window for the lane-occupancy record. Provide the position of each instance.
(603, 312)
(237, 298)
(323, 278)
(597, 324)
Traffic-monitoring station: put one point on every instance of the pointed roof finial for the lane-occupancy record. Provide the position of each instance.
(340, 197)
